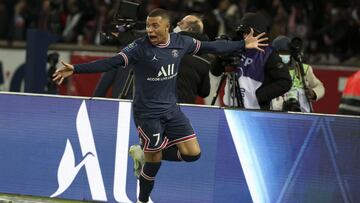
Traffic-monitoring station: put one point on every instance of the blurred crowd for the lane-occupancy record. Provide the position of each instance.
(330, 28)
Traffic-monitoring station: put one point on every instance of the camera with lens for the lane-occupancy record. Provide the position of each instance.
(124, 27)
(231, 59)
(291, 104)
(234, 59)
(296, 45)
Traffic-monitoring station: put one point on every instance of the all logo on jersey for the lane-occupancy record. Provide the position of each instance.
(165, 73)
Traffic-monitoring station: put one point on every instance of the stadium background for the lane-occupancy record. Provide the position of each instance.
(313, 153)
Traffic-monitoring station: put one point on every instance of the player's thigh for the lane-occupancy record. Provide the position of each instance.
(180, 132)
(151, 134)
(189, 147)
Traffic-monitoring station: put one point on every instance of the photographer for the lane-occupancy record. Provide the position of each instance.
(193, 79)
(261, 76)
(299, 97)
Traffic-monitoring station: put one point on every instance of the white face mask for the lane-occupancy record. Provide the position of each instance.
(177, 29)
(285, 58)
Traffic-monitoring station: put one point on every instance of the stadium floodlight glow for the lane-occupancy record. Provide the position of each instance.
(248, 158)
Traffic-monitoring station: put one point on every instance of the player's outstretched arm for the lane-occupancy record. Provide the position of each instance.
(101, 65)
(65, 71)
(225, 46)
(252, 42)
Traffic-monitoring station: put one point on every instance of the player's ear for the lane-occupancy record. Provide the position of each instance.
(167, 28)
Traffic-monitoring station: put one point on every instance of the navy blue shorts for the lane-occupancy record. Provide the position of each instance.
(162, 132)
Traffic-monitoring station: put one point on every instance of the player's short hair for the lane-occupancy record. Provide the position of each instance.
(160, 12)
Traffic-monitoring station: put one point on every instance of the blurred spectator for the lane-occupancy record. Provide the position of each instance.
(20, 20)
(336, 33)
(355, 32)
(3, 20)
(97, 24)
(350, 100)
(44, 16)
(72, 27)
(220, 13)
(280, 19)
(330, 29)
(297, 24)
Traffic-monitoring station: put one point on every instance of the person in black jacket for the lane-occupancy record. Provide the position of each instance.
(193, 79)
(262, 76)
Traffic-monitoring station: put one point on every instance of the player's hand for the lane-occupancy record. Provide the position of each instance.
(63, 72)
(252, 42)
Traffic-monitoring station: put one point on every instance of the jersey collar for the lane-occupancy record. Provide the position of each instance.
(165, 44)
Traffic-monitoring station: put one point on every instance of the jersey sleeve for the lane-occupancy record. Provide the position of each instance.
(192, 45)
(195, 46)
(101, 65)
(131, 52)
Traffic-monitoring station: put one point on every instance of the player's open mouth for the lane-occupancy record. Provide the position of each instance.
(152, 37)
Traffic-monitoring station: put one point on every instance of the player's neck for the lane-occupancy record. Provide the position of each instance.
(165, 42)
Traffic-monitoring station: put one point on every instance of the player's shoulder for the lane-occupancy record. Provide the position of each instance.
(175, 35)
(180, 39)
(137, 44)
(179, 36)
(143, 41)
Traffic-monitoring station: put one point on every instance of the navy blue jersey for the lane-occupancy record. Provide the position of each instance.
(156, 68)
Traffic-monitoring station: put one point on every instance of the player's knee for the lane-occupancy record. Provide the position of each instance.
(190, 158)
(153, 156)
